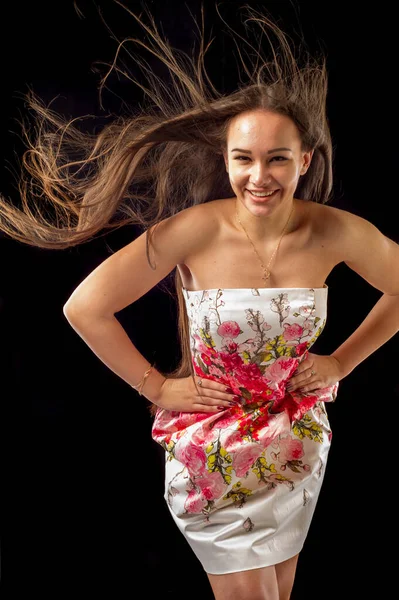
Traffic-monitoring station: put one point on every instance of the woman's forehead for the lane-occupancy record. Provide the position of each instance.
(261, 125)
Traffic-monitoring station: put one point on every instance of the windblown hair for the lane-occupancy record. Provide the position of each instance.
(167, 156)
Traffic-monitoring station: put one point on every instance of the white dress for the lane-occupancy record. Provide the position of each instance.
(242, 484)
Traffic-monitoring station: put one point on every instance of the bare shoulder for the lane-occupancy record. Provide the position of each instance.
(346, 228)
(132, 271)
(360, 245)
(340, 225)
(186, 231)
(326, 219)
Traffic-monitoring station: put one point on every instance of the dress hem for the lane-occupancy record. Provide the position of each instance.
(278, 557)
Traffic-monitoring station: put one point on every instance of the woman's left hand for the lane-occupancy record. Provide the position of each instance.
(315, 372)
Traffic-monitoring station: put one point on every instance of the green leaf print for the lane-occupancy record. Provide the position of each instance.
(238, 494)
(305, 427)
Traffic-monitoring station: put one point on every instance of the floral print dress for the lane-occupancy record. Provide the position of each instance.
(242, 484)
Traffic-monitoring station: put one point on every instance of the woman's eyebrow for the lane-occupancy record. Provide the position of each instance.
(268, 152)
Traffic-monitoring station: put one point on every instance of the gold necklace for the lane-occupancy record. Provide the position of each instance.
(266, 269)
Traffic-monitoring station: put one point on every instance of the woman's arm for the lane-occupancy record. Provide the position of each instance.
(378, 327)
(122, 279)
(110, 342)
(374, 257)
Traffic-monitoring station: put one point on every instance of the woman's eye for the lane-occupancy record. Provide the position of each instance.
(276, 158)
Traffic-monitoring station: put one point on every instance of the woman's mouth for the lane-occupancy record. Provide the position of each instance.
(262, 196)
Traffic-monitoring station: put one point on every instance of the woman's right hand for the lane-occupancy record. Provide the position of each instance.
(184, 395)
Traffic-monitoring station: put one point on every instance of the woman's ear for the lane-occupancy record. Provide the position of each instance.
(307, 159)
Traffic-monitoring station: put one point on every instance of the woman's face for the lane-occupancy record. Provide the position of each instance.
(264, 160)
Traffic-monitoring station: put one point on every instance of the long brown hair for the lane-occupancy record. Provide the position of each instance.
(167, 155)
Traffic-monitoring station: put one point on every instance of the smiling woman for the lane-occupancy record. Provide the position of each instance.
(232, 192)
(265, 175)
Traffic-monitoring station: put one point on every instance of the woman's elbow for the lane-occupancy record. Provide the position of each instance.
(71, 311)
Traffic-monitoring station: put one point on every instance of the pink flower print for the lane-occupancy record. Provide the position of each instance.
(186, 419)
(165, 419)
(274, 444)
(266, 326)
(306, 310)
(280, 305)
(229, 329)
(318, 411)
(255, 319)
(216, 372)
(206, 359)
(304, 402)
(217, 359)
(230, 440)
(231, 346)
(212, 485)
(276, 425)
(169, 423)
(245, 457)
(281, 369)
(292, 332)
(225, 419)
(249, 376)
(307, 327)
(266, 394)
(204, 433)
(266, 436)
(295, 404)
(193, 457)
(199, 345)
(290, 449)
(326, 394)
(301, 348)
(195, 502)
(247, 346)
(231, 362)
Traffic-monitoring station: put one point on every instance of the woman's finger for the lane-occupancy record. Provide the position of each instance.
(212, 389)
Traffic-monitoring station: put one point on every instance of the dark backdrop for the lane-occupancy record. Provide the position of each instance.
(82, 481)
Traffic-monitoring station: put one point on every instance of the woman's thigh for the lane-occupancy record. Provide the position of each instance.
(285, 573)
(255, 584)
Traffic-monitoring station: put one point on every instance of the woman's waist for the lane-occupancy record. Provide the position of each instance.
(255, 413)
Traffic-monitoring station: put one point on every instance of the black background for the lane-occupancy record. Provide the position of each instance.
(82, 481)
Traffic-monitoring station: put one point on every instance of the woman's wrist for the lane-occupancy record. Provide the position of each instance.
(151, 384)
(343, 365)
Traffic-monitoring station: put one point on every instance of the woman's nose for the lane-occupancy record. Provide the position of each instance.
(259, 175)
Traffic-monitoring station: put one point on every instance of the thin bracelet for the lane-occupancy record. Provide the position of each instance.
(140, 385)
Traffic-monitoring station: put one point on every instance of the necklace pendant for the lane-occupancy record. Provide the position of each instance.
(266, 271)
(266, 275)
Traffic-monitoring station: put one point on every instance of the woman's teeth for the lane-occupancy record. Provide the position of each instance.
(262, 194)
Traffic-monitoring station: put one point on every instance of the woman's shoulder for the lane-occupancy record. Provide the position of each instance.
(202, 219)
(363, 247)
(197, 213)
(347, 235)
(330, 220)
(190, 228)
